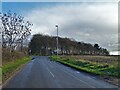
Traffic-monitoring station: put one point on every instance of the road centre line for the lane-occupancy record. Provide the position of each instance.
(50, 72)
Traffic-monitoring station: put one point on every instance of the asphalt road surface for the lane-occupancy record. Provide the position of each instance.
(43, 73)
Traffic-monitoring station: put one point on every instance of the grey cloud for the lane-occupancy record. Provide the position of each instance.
(92, 23)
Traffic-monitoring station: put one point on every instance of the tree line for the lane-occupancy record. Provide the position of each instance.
(46, 45)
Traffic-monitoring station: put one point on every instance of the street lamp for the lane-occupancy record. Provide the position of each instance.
(57, 38)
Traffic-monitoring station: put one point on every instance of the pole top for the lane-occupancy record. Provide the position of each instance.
(56, 25)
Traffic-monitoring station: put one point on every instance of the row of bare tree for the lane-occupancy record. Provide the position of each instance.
(14, 30)
(44, 45)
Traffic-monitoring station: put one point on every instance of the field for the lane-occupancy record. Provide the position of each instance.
(98, 65)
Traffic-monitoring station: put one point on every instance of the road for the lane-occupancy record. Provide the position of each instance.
(43, 73)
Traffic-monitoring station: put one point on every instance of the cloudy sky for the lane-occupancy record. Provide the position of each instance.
(91, 22)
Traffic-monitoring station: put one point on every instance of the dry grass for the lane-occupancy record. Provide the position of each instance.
(97, 59)
(8, 57)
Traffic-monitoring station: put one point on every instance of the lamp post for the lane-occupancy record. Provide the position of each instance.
(57, 38)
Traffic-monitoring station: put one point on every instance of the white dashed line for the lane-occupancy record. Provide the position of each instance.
(51, 72)
(77, 72)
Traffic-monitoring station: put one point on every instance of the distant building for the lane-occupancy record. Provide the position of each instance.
(114, 52)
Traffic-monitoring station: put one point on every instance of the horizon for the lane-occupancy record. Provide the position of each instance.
(94, 25)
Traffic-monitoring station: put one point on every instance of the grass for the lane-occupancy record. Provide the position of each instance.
(0, 76)
(91, 67)
(11, 67)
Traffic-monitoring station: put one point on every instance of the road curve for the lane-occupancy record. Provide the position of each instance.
(43, 73)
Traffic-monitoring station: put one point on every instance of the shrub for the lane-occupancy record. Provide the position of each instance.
(8, 56)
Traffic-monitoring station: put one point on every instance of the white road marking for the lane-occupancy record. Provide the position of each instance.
(51, 72)
(77, 72)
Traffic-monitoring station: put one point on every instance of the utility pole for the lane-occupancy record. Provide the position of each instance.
(57, 38)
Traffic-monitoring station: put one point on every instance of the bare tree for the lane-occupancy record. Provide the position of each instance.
(14, 30)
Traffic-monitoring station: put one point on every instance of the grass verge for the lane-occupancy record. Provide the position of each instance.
(9, 68)
(0, 75)
(94, 68)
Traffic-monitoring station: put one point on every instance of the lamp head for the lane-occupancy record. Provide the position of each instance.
(56, 25)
